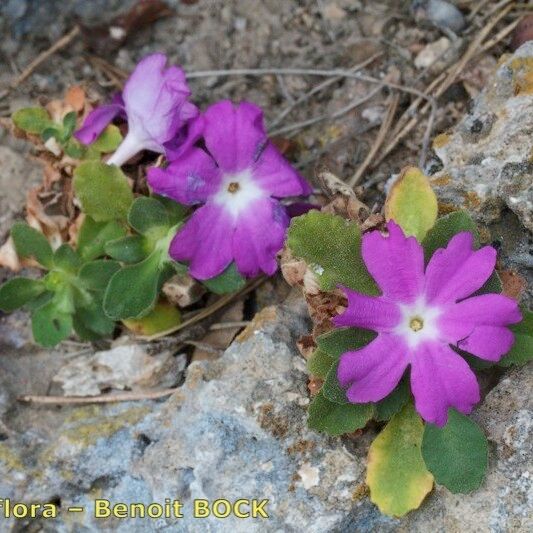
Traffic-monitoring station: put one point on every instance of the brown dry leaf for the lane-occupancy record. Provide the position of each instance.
(182, 290)
(8, 256)
(513, 283)
(314, 385)
(306, 345)
(220, 339)
(75, 97)
(323, 306)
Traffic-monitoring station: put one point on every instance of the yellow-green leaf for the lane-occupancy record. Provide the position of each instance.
(411, 203)
(397, 475)
(164, 316)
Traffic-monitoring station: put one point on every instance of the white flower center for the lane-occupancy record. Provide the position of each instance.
(237, 192)
(418, 323)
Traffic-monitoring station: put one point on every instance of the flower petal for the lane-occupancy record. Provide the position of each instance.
(276, 175)
(477, 325)
(373, 372)
(154, 96)
(189, 180)
(234, 135)
(396, 263)
(185, 138)
(96, 122)
(457, 271)
(368, 312)
(259, 236)
(441, 379)
(205, 241)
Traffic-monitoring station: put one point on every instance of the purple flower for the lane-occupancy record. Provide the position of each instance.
(420, 315)
(154, 101)
(238, 180)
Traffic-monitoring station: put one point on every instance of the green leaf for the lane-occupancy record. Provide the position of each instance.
(108, 141)
(93, 318)
(457, 454)
(132, 292)
(103, 191)
(522, 350)
(332, 389)
(51, 132)
(74, 149)
(147, 215)
(319, 363)
(84, 333)
(69, 125)
(339, 341)
(17, 292)
(31, 243)
(129, 249)
(412, 203)
(50, 324)
(176, 212)
(96, 275)
(162, 317)
(93, 237)
(445, 228)
(66, 259)
(229, 281)
(396, 474)
(337, 419)
(32, 119)
(331, 246)
(394, 402)
(492, 285)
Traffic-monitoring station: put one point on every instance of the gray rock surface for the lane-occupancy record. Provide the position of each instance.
(236, 429)
(487, 158)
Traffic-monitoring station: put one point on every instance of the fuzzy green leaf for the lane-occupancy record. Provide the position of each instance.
(320, 363)
(393, 403)
(50, 324)
(411, 203)
(522, 350)
(103, 191)
(132, 291)
(108, 141)
(176, 212)
(339, 341)
(331, 388)
(95, 275)
(17, 292)
(93, 318)
(93, 237)
(229, 281)
(148, 215)
(66, 259)
(337, 419)
(129, 249)
(396, 474)
(31, 243)
(32, 119)
(161, 318)
(445, 228)
(69, 125)
(457, 454)
(331, 246)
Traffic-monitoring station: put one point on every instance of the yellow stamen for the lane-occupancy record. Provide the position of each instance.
(416, 323)
(233, 187)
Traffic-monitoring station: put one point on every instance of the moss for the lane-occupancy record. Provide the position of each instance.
(441, 140)
(522, 68)
(9, 458)
(441, 181)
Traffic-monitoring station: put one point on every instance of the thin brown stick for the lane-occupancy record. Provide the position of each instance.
(104, 398)
(229, 325)
(438, 89)
(208, 311)
(41, 58)
(500, 36)
(382, 134)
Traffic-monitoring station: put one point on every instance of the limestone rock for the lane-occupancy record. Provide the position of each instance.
(487, 158)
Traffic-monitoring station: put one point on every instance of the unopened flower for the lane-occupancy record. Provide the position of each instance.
(420, 316)
(154, 102)
(238, 179)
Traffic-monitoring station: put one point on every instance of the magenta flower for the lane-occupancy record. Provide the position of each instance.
(419, 317)
(154, 101)
(238, 180)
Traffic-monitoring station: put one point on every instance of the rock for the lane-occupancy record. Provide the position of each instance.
(503, 503)
(19, 173)
(487, 158)
(433, 54)
(127, 366)
(236, 429)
